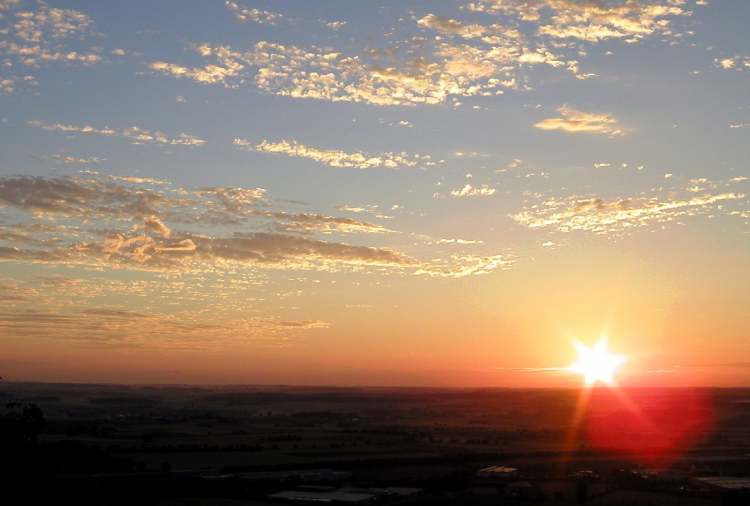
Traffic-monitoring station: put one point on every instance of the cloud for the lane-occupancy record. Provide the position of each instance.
(232, 198)
(202, 253)
(464, 59)
(120, 222)
(81, 197)
(312, 222)
(138, 180)
(335, 25)
(298, 252)
(135, 134)
(129, 198)
(603, 217)
(95, 309)
(472, 191)
(574, 121)
(245, 14)
(154, 245)
(117, 327)
(209, 74)
(459, 266)
(324, 74)
(453, 27)
(333, 76)
(77, 160)
(154, 224)
(733, 62)
(591, 21)
(196, 254)
(336, 158)
(460, 242)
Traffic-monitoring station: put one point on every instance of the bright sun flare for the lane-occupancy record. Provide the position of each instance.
(596, 364)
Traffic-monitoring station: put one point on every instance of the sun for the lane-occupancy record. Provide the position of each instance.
(596, 364)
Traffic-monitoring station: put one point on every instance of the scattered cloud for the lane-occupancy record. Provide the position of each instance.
(245, 14)
(40, 35)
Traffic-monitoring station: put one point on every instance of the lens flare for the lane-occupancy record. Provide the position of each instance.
(596, 364)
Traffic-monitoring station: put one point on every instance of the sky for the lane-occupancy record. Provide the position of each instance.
(376, 193)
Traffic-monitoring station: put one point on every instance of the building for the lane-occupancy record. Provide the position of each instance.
(502, 473)
(332, 496)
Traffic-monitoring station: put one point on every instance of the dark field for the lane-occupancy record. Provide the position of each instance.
(102, 444)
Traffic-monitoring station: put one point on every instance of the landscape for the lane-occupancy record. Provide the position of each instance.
(106, 444)
(456, 252)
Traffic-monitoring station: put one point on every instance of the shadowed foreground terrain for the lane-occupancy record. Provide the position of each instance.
(105, 444)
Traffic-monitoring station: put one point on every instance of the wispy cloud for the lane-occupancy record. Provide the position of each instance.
(136, 134)
(601, 216)
(337, 158)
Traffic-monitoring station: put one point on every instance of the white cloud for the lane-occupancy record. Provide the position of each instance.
(574, 121)
(473, 191)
